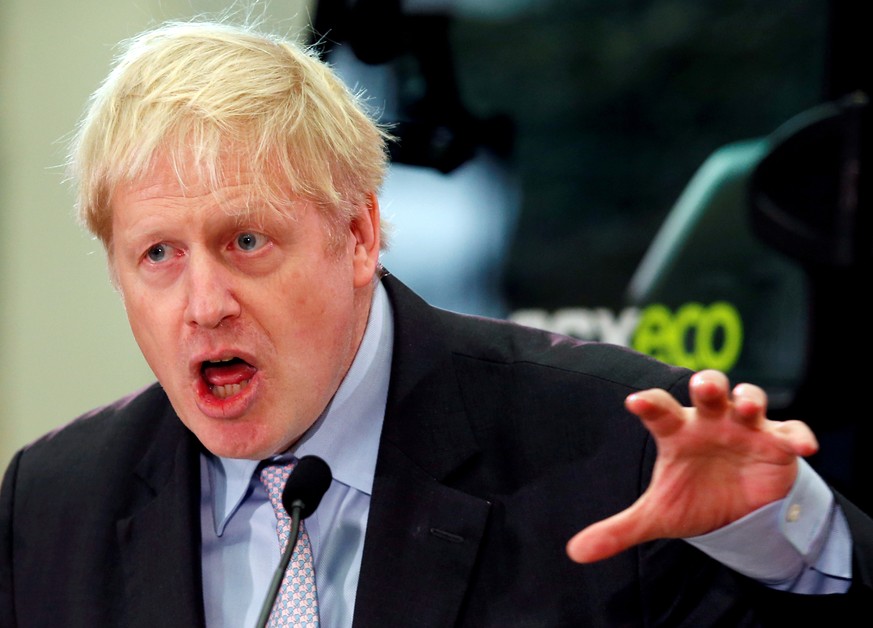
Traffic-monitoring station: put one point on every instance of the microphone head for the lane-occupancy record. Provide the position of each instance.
(306, 485)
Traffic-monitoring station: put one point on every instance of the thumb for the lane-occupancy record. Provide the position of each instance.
(608, 537)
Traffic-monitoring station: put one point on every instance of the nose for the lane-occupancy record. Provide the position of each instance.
(211, 298)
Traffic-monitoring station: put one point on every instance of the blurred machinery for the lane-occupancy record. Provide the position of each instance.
(451, 196)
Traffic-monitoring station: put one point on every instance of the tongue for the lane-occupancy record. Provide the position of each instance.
(231, 373)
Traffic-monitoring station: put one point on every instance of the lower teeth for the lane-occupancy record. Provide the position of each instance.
(228, 390)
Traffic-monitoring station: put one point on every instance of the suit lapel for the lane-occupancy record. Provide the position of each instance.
(160, 542)
(422, 535)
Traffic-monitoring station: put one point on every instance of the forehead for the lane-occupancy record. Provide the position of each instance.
(232, 184)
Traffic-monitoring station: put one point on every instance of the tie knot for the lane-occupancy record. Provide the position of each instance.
(273, 477)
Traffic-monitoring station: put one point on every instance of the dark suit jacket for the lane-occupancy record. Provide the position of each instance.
(498, 444)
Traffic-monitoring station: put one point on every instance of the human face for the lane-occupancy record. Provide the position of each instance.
(249, 323)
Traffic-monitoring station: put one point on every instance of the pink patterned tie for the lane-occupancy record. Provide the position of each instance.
(297, 602)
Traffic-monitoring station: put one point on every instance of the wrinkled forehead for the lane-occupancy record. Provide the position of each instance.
(234, 179)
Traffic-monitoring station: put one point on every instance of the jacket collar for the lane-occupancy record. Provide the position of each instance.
(423, 535)
(160, 541)
(425, 416)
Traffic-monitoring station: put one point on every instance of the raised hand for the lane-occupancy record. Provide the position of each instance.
(717, 461)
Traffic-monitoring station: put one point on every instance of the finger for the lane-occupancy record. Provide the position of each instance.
(796, 437)
(608, 537)
(661, 413)
(750, 404)
(709, 393)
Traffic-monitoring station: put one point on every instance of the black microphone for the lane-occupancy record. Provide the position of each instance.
(306, 486)
(303, 491)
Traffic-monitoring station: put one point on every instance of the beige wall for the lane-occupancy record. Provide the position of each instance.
(64, 342)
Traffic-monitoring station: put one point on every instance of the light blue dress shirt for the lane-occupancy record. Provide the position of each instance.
(801, 543)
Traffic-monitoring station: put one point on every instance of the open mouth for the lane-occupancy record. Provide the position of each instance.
(227, 377)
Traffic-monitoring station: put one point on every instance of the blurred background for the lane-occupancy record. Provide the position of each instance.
(685, 177)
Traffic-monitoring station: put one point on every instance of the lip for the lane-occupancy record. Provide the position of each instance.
(231, 407)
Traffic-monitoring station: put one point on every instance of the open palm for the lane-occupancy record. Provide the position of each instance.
(717, 461)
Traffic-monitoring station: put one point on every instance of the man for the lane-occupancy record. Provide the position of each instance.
(232, 180)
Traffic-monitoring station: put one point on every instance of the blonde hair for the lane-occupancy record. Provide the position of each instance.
(201, 93)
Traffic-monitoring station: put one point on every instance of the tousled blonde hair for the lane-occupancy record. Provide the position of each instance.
(203, 93)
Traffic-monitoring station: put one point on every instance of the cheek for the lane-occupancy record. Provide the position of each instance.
(316, 295)
(314, 321)
(152, 327)
(138, 306)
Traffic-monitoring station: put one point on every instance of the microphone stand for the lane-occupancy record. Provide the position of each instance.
(279, 575)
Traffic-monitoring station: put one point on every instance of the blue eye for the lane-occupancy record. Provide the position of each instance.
(161, 253)
(157, 253)
(249, 241)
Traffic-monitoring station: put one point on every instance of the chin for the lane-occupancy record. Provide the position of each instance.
(233, 440)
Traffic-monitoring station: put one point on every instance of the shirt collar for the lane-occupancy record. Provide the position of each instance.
(346, 435)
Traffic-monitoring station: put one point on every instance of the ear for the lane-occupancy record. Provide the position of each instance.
(366, 228)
